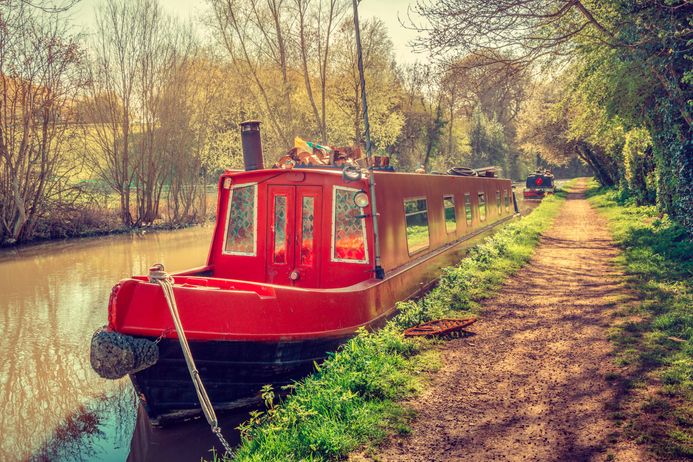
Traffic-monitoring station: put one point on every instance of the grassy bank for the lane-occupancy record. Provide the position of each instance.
(654, 336)
(352, 400)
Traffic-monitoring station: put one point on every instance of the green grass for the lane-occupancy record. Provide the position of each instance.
(417, 238)
(654, 342)
(353, 400)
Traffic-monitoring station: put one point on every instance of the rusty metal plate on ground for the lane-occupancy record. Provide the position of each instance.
(439, 327)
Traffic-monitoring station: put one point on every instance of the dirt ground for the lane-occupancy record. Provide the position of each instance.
(533, 383)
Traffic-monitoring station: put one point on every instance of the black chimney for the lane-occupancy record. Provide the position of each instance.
(252, 145)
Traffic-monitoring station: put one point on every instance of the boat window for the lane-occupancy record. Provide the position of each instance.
(280, 244)
(307, 221)
(349, 231)
(416, 216)
(242, 221)
(450, 219)
(498, 202)
(468, 209)
(482, 207)
(507, 200)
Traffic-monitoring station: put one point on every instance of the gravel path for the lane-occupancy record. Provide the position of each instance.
(532, 383)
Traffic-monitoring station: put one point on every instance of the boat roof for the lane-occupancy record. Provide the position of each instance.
(269, 171)
(336, 171)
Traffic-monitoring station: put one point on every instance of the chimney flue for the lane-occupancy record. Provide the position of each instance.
(252, 145)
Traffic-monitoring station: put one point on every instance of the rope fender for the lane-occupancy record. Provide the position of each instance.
(114, 355)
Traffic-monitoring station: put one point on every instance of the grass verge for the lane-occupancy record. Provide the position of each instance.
(654, 339)
(352, 400)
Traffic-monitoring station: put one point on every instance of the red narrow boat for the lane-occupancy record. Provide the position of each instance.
(292, 274)
(538, 184)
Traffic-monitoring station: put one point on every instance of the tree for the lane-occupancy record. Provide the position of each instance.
(139, 53)
(487, 141)
(200, 123)
(639, 166)
(314, 39)
(633, 59)
(308, 45)
(383, 88)
(113, 74)
(559, 128)
(413, 81)
(40, 77)
(469, 84)
(256, 35)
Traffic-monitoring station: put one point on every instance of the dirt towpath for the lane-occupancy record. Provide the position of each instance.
(532, 384)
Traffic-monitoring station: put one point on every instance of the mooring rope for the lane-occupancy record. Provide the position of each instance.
(157, 275)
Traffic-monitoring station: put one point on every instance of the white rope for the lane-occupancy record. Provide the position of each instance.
(157, 275)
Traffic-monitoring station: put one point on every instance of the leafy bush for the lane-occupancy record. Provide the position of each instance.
(639, 166)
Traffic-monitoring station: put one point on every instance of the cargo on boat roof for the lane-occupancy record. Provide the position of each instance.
(298, 262)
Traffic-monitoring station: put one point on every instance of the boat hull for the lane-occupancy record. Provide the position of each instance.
(234, 370)
(233, 373)
(534, 194)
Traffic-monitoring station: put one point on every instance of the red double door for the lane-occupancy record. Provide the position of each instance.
(294, 235)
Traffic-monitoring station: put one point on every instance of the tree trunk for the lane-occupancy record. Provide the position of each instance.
(302, 7)
(597, 164)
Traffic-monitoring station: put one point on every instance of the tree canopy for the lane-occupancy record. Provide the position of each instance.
(148, 111)
(607, 69)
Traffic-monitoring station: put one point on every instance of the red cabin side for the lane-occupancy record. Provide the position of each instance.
(292, 255)
(298, 227)
(394, 189)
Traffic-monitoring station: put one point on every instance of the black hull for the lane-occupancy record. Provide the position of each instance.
(233, 373)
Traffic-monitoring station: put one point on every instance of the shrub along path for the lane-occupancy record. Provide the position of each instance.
(535, 382)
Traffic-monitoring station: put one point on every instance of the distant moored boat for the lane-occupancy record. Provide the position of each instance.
(538, 184)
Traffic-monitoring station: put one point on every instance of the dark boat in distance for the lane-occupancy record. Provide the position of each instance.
(296, 266)
(538, 184)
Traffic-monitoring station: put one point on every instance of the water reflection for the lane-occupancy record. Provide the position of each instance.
(190, 440)
(52, 298)
(98, 431)
(115, 428)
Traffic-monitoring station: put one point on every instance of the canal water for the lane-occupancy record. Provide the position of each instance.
(53, 407)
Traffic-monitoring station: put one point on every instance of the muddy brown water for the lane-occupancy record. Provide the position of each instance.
(53, 296)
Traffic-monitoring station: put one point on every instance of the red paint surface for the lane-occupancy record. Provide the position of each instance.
(534, 193)
(255, 297)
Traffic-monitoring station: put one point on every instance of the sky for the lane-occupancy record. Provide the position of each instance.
(389, 11)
